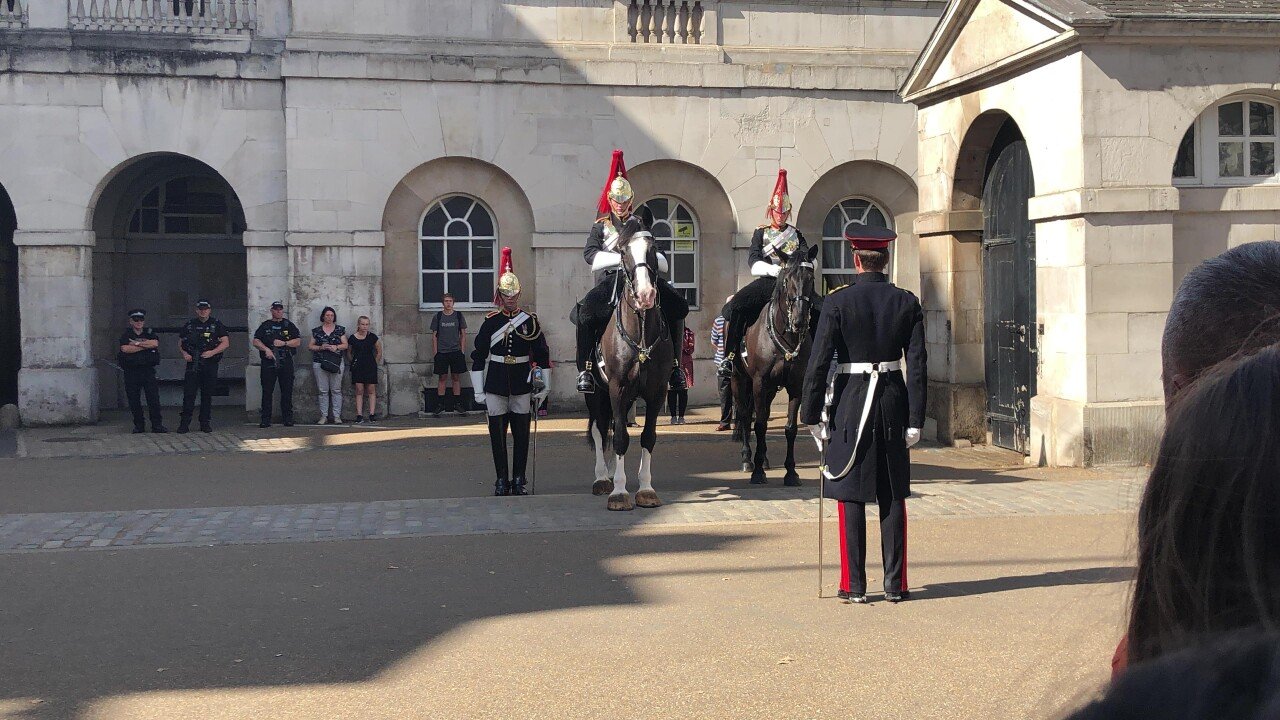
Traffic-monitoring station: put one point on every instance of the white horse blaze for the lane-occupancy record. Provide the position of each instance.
(646, 470)
(644, 284)
(620, 476)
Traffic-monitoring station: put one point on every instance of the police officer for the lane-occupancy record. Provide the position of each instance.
(277, 340)
(866, 413)
(771, 245)
(139, 356)
(603, 254)
(202, 341)
(509, 351)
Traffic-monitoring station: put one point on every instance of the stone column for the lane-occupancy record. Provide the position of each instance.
(57, 383)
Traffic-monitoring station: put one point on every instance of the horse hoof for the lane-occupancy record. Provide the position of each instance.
(648, 499)
(791, 479)
(759, 479)
(746, 467)
(602, 487)
(621, 501)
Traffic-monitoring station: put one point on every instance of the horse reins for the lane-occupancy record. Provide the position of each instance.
(629, 292)
(787, 355)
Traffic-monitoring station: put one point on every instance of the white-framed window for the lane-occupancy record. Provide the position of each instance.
(457, 252)
(837, 258)
(1231, 143)
(676, 231)
(191, 206)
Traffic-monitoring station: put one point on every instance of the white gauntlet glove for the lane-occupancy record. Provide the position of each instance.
(764, 269)
(819, 431)
(913, 436)
(662, 263)
(605, 260)
(477, 384)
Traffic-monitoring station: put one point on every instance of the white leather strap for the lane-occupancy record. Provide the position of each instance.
(867, 368)
(508, 359)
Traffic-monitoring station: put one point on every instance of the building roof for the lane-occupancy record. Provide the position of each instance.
(1175, 9)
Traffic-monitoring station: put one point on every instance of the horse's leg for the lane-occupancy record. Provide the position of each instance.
(646, 497)
(742, 406)
(761, 427)
(793, 415)
(600, 419)
(619, 499)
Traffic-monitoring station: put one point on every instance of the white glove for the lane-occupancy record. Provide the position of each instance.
(605, 260)
(913, 436)
(662, 263)
(819, 431)
(764, 269)
(477, 385)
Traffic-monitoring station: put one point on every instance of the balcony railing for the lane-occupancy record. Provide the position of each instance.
(674, 22)
(178, 17)
(13, 14)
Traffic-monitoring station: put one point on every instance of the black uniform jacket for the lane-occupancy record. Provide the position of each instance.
(527, 338)
(199, 335)
(145, 358)
(871, 320)
(756, 253)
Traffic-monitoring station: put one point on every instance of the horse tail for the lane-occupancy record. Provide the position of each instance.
(744, 412)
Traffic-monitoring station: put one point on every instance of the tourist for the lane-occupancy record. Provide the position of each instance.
(678, 398)
(448, 340)
(328, 346)
(366, 357)
(724, 385)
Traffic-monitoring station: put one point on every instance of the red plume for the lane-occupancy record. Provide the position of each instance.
(504, 266)
(616, 167)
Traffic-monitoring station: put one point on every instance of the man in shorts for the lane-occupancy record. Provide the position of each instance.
(449, 337)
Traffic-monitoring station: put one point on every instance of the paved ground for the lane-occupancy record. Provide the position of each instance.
(171, 583)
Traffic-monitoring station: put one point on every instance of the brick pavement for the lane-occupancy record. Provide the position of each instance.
(1106, 493)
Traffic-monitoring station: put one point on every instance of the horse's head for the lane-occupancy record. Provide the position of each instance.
(795, 286)
(639, 260)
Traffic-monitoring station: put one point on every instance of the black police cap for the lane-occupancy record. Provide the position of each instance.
(137, 313)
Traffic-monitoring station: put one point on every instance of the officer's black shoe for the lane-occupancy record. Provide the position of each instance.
(501, 488)
(586, 382)
(288, 423)
(184, 427)
(677, 379)
(264, 424)
(849, 597)
(159, 430)
(138, 430)
(726, 367)
(204, 427)
(517, 486)
(896, 597)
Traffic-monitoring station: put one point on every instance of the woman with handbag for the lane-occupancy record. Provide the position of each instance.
(328, 347)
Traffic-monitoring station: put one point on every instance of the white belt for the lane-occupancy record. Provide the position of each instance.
(508, 359)
(874, 370)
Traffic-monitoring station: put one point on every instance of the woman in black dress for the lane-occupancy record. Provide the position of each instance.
(366, 356)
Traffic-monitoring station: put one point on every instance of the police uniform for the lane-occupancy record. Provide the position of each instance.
(603, 254)
(770, 248)
(277, 365)
(139, 369)
(506, 349)
(198, 336)
(870, 413)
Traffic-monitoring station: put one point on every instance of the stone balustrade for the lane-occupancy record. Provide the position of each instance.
(180, 17)
(673, 22)
(13, 14)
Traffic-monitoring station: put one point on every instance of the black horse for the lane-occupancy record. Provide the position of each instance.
(635, 357)
(775, 353)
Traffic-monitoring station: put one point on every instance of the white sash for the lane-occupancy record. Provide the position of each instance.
(515, 322)
(782, 238)
(611, 236)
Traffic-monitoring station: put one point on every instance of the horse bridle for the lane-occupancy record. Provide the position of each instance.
(629, 293)
(788, 354)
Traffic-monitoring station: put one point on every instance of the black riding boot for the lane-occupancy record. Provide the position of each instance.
(519, 450)
(732, 340)
(586, 347)
(498, 444)
(677, 342)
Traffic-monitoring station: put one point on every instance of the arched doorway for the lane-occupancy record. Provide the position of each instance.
(10, 327)
(169, 232)
(1009, 290)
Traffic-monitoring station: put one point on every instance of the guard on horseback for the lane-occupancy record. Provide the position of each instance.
(771, 245)
(510, 347)
(865, 415)
(602, 253)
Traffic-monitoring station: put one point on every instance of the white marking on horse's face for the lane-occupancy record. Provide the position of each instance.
(646, 293)
(646, 470)
(619, 476)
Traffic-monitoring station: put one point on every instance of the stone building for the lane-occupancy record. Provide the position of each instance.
(369, 154)
(1077, 157)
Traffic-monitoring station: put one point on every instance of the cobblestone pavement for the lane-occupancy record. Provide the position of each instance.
(546, 513)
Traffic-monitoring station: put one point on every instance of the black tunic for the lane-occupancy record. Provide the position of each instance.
(871, 320)
(527, 338)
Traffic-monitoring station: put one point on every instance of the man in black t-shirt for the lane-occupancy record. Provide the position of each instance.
(139, 356)
(203, 340)
(277, 340)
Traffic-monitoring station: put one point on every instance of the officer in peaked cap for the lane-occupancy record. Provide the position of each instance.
(203, 339)
(139, 356)
(277, 340)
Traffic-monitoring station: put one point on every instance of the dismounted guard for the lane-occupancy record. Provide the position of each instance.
(603, 254)
(771, 245)
(139, 356)
(509, 353)
(202, 340)
(277, 340)
(864, 414)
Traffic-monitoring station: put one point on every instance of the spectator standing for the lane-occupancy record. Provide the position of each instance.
(328, 347)
(678, 398)
(724, 385)
(448, 339)
(366, 358)
(139, 356)
(277, 340)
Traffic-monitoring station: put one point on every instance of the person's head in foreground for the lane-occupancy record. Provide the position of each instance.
(1209, 523)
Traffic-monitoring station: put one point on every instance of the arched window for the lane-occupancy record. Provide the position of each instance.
(1231, 143)
(837, 259)
(192, 205)
(676, 231)
(456, 247)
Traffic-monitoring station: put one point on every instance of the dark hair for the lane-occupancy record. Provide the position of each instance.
(446, 295)
(1209, 522)
(328, 309)
(873, 260)
(1221, 308)
(1236, 676)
